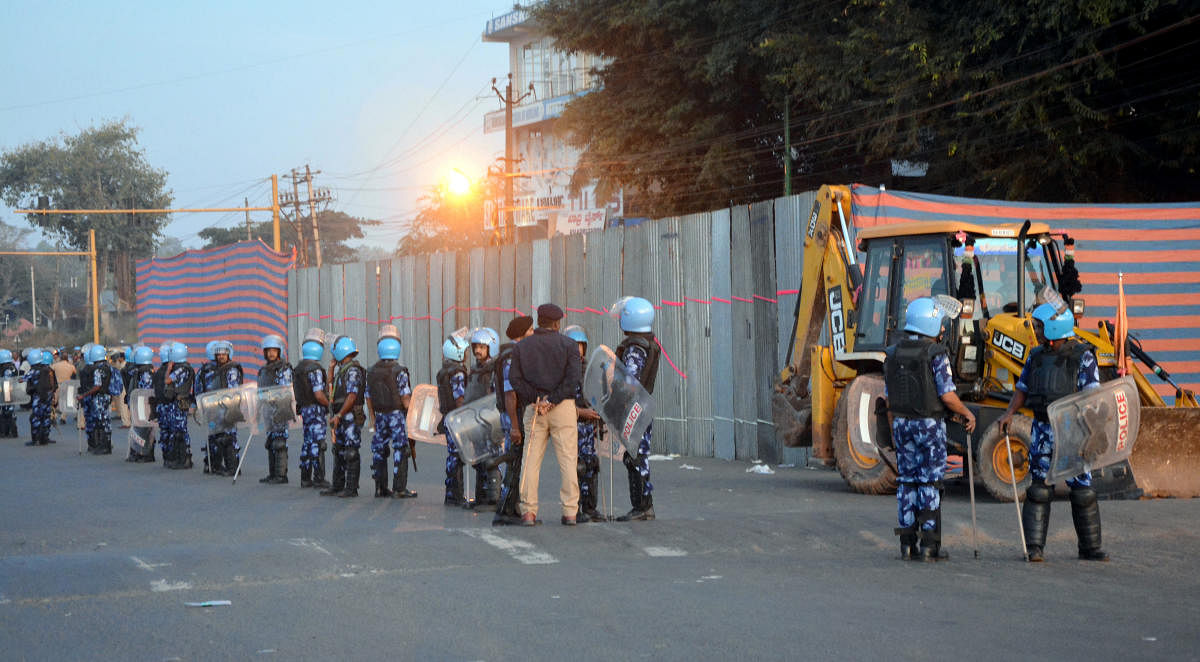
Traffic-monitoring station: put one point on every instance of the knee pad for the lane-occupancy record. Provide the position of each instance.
(628, 461)
(1083, 496)
(1039, 492)
(350, 454)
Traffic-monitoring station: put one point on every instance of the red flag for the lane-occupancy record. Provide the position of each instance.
(1122, 327)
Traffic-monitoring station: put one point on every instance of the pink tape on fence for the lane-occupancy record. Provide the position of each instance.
(668, 358)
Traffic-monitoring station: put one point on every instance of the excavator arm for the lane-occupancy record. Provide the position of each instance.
(805, 392)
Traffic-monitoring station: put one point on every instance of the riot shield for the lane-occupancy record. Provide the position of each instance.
(476, 428)
(225, 409)
(12, 391)
(67, 391)
(618, 397)
(276, 409)
(140, 409)
(141, 439)
(423, 414)
(1093, 428)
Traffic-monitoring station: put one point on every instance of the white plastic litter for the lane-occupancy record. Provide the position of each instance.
(659, 458)
(690, 467)
(786, 466)
(760, 469)
(210, 603)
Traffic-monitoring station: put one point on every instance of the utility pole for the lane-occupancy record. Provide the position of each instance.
(246, 201)
(312, 212)
(296, 205)
(32, 296)
(787, 146)
(509, 148)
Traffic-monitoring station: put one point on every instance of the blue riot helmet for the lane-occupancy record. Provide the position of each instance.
(223, 347)
(179, 352)
(210, 350)
(389, 348)
(312, 350)
(1055, 325)
(576, 333)
(5, 356)
(344, 346)
(635, 314)
(143, 355)
(487, 336)
(454, 348)
(272, 341)
(128, 353)
(164, 352)
(47, 358)
(922, 316)
(95, 353)
(34, 356)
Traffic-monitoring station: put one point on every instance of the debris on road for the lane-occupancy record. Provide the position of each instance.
(210, 603)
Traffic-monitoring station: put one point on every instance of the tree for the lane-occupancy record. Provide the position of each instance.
(98, 168)
(14, 269)
(1064, 100)
(447, 221)
(335, 228)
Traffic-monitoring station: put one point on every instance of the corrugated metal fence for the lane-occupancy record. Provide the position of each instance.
(715, 277)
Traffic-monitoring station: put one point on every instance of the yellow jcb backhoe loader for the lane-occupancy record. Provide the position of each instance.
(847, 314)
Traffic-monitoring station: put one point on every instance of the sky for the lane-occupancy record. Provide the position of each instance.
(384, 98)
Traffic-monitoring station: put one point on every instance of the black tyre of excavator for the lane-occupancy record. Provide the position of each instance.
(992, 459)
(864, 474)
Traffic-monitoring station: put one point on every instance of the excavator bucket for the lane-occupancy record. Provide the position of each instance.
(1166, 457)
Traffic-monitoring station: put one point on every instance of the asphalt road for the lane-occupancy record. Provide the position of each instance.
(98, 558)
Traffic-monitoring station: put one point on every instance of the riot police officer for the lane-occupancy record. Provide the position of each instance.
(588, 466)
(42, 387)
(202, 384)
(96, 400)
(485, 346)
(313, 406)
(508, 511)
(8, 414)
(227, 374)
(452, 388)
(639, 351)
(178, 380)
(141, 377)
(1060, 366)
(920, 390)
(275, 372)
(348, 381)
(389, 392)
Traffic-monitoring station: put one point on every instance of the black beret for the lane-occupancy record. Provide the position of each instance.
(549, 311)
(518, 327)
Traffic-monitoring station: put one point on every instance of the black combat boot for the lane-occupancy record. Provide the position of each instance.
(1085, 512)
(908, 542)
(270, 464)
(229, 455)
(589, 507)
(931, 539)
(1035, 519)
(353, 464)
(281, 462)
(306, 477)
(643, 504)
(339, 474)
(318, 472)
(105, 439)
(379, 473)
(454, 488)
(400, 478)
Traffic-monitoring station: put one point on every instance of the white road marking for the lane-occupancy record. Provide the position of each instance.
(161, 585)
(148, 567)
(525, 552)
(310, 544)
(664, 551)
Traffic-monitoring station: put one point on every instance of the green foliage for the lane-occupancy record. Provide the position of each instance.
(335, 228)
(449, 222)
(1063, 100)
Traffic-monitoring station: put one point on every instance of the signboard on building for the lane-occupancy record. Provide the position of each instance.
(506, 21)
(582, 220)
(529, 114)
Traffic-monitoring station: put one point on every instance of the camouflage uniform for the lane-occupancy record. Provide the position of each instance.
(635, 363)
(454, 465)
(315, 426)
(1043, 435)
(921, 455)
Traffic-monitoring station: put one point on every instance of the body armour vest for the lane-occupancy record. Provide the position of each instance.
(159, 380)
(912, 389)
(501, 362)
(181, 392)
(479, 381)
(339, 390)
(135, 376)
(445, 391)
(86, 375)
(301, 386)
(204, 377)
(645, 342)
(7, 369)
(106, 375)
(268, 375)
(47, 383)
(580, 401)
(221, 375)
(1053, 374)
(381, 380)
